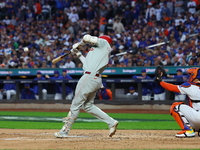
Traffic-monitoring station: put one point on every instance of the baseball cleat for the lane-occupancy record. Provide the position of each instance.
(60, 134)
(113, 129)
(186, 133)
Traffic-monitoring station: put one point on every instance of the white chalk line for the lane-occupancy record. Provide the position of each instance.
(27, 133)
(35, 138)
(29, 118)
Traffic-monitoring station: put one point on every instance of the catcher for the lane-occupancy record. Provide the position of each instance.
(186, 115)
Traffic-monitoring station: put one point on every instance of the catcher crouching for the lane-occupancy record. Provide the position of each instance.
(187, 116)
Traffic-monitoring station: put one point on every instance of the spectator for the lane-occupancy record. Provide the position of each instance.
(132, 91)
(158, 13)
(166, 11)
(69, 63)
(163, 60)
(36, 87)
(191, 5)
(176, 27)
(9, 89)
(37, 9)
(150, 11)
(180, 54)
(109, 27)
(175, 61)
(27, 92)
(146, 86)
(105, 93)
(102, 24)
(179, 96)
(57, 86)
(118, 27)
(179, 6)
(6, 20)
(73, 16)
(69, 86)
(23, 10)
(29, 16)
(46, 11)
(158, 91)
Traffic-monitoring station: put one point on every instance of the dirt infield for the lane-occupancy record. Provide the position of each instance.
(95, 139)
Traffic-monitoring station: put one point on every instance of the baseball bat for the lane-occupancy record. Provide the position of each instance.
(150, 46)
(60, 58)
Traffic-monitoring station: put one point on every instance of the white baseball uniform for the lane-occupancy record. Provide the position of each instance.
(94, 64)
(191, 113)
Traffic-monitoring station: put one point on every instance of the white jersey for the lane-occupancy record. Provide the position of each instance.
(135, 94)
(99, 55)
(192, 91)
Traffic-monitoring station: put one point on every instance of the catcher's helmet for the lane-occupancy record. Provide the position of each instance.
(107, 38)
(194, 73)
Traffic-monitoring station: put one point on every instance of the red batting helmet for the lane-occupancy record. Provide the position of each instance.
(194, 73)
(107, 38)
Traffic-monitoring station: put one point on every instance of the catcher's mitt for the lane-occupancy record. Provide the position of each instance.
(160, 71)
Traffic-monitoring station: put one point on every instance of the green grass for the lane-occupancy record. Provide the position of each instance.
(136, 121)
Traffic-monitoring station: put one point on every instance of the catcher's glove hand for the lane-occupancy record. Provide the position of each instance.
(159, 73)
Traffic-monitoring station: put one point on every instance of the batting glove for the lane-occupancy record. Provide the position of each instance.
(76, 52)
(77, 45)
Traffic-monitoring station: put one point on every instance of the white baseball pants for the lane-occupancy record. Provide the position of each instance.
(192, 116)
(160, 96)
(84, 97)
(58, 96)
(44, 94)
(8, 94)
(146, 97)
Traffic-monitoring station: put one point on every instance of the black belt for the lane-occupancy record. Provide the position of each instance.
(90, 73)
(195, 101)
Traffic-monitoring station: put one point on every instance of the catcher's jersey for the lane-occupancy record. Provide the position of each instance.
(97, 57)
(192, 91)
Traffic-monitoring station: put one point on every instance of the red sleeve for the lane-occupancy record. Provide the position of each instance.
(170, 87)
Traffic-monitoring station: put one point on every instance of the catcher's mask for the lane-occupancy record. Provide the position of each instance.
(194, 73)
(107, 38)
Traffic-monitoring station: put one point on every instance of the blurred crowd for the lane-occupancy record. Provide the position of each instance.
(49, 28)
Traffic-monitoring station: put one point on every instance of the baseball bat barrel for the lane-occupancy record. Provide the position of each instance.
(122, 53)
(60, 58)
(158, 44)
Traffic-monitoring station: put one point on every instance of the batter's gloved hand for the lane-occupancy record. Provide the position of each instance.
(76, 52)
(78, 45)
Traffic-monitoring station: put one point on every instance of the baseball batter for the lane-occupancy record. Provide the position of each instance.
(93, 65)
(187, 116)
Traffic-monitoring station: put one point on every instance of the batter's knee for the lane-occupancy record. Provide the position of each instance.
(87, 108)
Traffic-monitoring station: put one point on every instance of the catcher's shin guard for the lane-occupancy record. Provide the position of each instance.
(178, 116)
